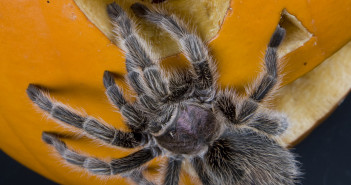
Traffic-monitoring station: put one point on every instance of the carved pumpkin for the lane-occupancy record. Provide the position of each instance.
(53, 44)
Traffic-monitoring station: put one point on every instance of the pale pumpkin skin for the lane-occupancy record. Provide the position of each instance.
(54, 45)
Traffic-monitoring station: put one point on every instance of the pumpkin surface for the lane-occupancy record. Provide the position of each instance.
(53, 44)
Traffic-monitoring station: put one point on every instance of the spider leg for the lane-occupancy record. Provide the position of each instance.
(89, 125)
(180, 86)
(193, 47)
(270, 76)
(237, 112)
(97, 166)
(240, 112)
(272, 123)
(201, 171)
(136, 82)
(136, 56)
(222, 159)
(138, 177)
(135, 118)
(173, 171)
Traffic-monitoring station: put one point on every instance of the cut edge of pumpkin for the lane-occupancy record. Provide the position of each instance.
(308, 100)
(296, 34)
(208, 23)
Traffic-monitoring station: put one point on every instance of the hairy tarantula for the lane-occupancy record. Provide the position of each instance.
(228, 139)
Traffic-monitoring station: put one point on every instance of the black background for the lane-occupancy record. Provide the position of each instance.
(325, 155)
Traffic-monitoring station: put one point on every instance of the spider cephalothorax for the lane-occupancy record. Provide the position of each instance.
(191, 131)
(228, 139)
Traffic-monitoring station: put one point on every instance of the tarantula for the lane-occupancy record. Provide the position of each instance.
(227, 138)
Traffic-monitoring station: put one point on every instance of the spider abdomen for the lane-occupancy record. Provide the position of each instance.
(190, 132)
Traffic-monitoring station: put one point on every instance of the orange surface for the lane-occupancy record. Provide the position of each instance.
(55, 46)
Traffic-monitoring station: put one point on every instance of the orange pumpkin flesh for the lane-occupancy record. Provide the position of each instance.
(55, 46)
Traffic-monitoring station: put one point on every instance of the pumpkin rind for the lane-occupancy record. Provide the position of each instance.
(53, 44)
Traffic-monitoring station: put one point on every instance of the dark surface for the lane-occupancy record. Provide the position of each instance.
(13, 173)
(325, 155)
